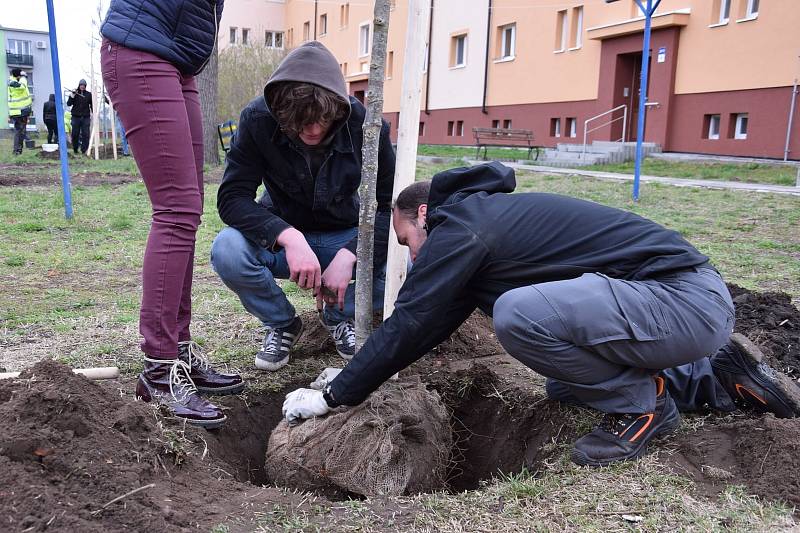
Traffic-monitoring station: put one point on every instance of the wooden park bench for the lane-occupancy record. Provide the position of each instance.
(226, 131)
(506, 138)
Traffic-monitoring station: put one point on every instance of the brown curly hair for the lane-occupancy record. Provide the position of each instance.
(295, 105)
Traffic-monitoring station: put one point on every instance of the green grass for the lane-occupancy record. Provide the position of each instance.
(498, 154)
(72, 290)
(744, 172)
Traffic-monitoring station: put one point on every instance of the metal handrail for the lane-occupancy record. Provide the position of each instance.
(624, 119)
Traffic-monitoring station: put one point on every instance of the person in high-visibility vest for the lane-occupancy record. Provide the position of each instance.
(19, 105)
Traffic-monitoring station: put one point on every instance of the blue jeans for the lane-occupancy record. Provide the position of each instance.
(250, 271)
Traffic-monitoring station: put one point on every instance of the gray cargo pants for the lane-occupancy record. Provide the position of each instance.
(604, 338)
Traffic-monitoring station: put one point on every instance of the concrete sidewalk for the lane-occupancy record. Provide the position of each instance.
(677, 182)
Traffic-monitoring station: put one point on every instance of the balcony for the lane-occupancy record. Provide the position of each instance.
(19, 60)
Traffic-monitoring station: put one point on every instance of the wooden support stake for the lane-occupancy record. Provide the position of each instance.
(103, 372)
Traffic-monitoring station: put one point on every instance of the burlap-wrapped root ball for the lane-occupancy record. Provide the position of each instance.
(397, 442)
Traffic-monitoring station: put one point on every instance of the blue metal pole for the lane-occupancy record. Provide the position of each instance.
(648, 13)
(62, 130)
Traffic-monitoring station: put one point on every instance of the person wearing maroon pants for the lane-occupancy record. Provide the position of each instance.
(150, 55)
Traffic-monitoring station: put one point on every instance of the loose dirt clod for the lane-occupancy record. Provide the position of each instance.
(397, 442)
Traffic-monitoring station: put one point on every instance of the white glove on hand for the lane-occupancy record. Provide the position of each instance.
(304, 403)
(325, 377)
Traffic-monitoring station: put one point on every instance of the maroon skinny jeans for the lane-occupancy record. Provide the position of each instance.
(160, 109)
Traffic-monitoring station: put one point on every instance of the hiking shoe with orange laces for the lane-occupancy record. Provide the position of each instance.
(740, 369)
(621, 437)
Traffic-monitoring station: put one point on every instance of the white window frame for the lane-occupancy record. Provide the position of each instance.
(460, 38)
(573, 127)
(245, 36)
(564, 30)
(505, 30)
(459, 128)
(274, 35)
(323, 27)
(752, 9)
(724, 6)
(21, 47)
(306, 31)
(578, 29)
(232, 31)
(557, 129)
(740, 119)
(711, 120)
(364, 45)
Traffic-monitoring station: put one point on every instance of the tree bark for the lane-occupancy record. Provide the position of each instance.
(369, 173)
(207, 86)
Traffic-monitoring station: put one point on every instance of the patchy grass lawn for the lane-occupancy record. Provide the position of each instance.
(744, 172)
(493, 153)
(72, 289)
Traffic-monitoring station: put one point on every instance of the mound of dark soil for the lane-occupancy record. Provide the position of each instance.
(771, 321)
(763, 454)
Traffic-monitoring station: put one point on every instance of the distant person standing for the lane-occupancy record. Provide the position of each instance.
(50, 120)
(150, 54)
(82, 108)
(123, 138)
(19, 106)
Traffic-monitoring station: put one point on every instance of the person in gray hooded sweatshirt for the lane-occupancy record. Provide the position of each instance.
(302, 140)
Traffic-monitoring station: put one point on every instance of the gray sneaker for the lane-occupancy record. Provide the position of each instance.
(344, 337)
(278, 342)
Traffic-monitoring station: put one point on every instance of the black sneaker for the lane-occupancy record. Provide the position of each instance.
(344, 337)
(278, 342)
(740, 369)
(621, 437)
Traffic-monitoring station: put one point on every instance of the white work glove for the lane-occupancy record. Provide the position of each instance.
(325, 377)
(304, 403)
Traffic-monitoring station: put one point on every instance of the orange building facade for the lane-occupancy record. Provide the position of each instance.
(721, 80)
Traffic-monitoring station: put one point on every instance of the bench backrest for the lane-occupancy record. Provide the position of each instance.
(226, 131)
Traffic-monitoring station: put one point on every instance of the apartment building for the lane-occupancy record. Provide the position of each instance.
(721, 70)
(253, 22)
(30, 51)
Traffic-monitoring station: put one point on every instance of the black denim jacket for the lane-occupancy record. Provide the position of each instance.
(262, 153)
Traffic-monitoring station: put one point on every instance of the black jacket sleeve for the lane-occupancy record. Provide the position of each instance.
(432, 303)
(244, 171)
(383, 193)
(70, 100)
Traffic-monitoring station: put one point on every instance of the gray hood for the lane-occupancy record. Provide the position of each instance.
(310, 63)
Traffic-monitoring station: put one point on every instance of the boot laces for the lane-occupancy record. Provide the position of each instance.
(347, 330)
(181, 386)
(196, 357)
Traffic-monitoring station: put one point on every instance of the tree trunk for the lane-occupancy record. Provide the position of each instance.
(369, 173)
(207, 86)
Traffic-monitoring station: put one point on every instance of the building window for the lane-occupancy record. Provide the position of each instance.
(18, 46)
(561, 31)
(740, 126)
(507, 124)
(711, 126)
(365, 66)
(323, 24)
(576, 31)
(389, 65)
(572, 127)
(344, 68)
(752, 9)
(458, 50)
(273, 39)
(508, 44)
(450, 128)
(460, 128)
(306, 30)
(555, 127)
(290, 37)
(245, 35)
(495, 124)
(724, 11)
(364, 40)
(232, 36)
(344, 15)
(421, 129)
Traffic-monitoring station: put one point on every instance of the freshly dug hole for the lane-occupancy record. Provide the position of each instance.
(397, 442)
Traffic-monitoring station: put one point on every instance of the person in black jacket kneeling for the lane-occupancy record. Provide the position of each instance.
(622, 314)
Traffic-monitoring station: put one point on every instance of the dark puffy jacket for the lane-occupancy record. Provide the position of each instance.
(482, 243)
(181, 31)
(49, 109)
(261, 152)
